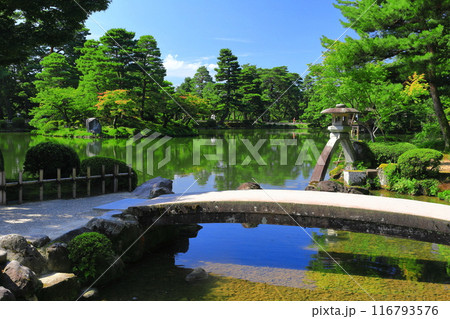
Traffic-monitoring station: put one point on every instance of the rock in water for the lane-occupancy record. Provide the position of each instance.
(59, 287)
(19, 249)
(330, 186)
(20, 280)
(90, 294)
(153, 188)
(249, 185)
(6, 295)
(197, 275)
(123, 233)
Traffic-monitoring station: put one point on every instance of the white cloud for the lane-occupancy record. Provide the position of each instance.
(182, 69)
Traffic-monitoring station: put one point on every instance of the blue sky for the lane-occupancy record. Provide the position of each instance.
(190, 33)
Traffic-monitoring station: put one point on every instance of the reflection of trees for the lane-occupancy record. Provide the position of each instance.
(181, 163)
(379, 256)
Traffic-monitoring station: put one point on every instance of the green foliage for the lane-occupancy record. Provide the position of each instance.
(18, 122)
(430, 137)
(2, 163)
(29, 24)
(364, 155)
(419, 163)
(386, 152)
(228, 73)
(3, 124)
(406, 186)
(96, 162)
(445, 195)
(429, 187)
(412, 34)
(49, 156)
(91, 254)
(392, 173)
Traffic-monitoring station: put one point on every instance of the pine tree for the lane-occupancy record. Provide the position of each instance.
(227, 75)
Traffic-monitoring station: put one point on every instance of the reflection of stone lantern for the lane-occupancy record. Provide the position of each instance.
(339, 133)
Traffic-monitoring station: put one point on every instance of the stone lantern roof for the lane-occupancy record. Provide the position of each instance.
(340, 109)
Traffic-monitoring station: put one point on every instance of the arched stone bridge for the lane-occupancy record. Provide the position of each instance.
(373, 214)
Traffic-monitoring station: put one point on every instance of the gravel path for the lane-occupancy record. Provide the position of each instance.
(52, 218)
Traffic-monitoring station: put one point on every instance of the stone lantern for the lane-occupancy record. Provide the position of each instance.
(339, 133)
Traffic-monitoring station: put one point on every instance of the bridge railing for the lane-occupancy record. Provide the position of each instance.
(20, 183)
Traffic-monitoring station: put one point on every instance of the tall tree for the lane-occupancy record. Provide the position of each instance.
(412, 33)
(282, 92)
(28, 24)
(201, 79)
(228, 77)
(252, 103)
(119, 45)
(149, 70)
(56, 72)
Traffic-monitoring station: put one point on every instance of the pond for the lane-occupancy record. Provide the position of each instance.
(216, 160)
(257, 262)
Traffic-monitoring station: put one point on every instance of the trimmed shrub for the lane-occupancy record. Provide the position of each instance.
(96, 162)
(445, 195)
(91, 254)
(3, 124)
(389, 152)
(2, 163)
(420, 163)
(18, 122)
(49, 156)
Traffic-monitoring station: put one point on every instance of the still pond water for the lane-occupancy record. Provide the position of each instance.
(222, 160)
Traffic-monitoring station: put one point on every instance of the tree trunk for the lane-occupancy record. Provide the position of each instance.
(439, 111)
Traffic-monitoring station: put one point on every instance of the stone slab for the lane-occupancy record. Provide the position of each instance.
(121, 204)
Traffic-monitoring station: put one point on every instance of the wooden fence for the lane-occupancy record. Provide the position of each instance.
(58, 180)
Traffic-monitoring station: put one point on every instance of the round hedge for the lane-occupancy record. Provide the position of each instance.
(49, 156)
(386, 152)
(91, 254)
(2, 163)
(96, 162)
(420, 163)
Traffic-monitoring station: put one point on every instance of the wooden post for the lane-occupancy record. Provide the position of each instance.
(41, 185)
(129, 178)
(103, 180)
(116, 181)
(88, 178)
(74, 183)
(3, 188)
(58, 180)
(20, 187)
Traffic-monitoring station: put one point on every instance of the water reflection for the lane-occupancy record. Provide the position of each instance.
(289, 247)
(224, 160)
